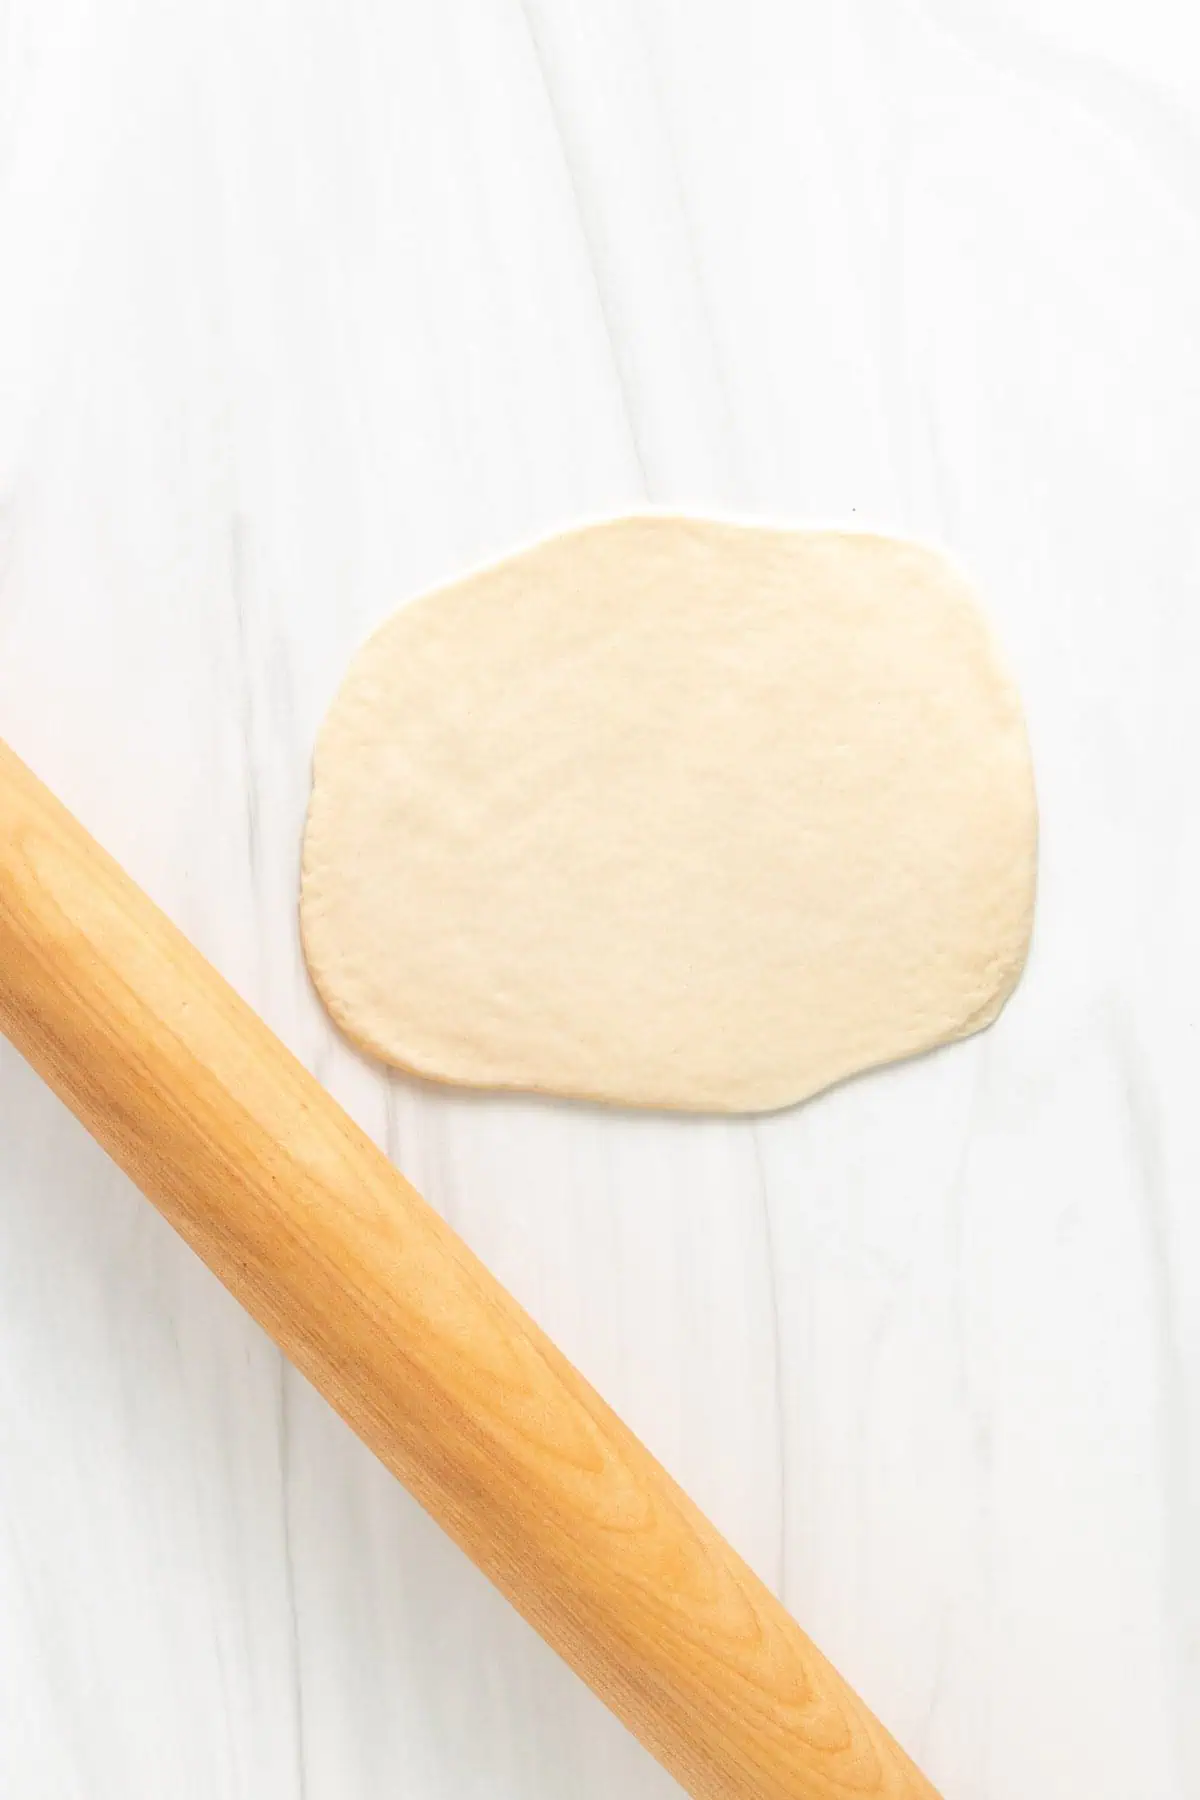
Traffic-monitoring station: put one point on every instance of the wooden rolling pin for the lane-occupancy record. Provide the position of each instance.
(403, 1330)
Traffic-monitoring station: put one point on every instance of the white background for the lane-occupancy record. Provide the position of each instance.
(307, 304)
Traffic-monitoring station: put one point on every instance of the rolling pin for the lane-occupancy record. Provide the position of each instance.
(402, 1329)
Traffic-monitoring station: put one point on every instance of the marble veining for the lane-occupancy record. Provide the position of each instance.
(305, 307)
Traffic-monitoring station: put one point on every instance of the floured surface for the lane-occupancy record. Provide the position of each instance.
(674, 814)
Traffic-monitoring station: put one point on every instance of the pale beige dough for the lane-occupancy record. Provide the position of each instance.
(673, 814)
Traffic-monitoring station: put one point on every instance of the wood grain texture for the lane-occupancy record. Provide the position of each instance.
(404, 1331)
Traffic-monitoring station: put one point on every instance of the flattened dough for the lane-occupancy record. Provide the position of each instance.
(674, 814)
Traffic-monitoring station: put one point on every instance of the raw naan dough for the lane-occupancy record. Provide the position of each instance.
(674, 814)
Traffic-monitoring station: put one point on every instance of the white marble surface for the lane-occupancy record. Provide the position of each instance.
(305, 304)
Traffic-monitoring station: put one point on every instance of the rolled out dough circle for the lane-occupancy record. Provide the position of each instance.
(674, 814)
